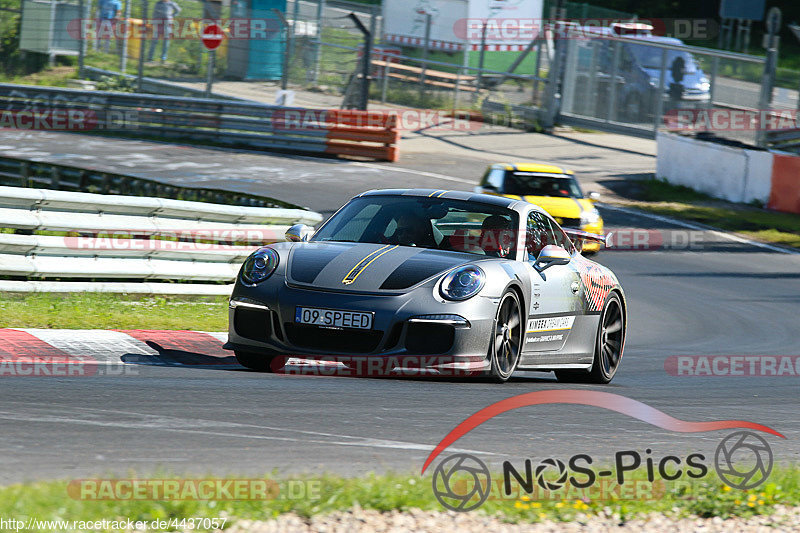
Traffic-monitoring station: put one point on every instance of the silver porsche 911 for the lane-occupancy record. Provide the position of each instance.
(489, 284)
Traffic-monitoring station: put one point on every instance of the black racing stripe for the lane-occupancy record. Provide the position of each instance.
(308, 262)
(419, 268)
(384, 192)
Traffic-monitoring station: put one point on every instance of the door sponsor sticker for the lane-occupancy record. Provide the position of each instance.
(557, 323)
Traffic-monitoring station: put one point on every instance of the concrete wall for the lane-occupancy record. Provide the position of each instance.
(733, 174)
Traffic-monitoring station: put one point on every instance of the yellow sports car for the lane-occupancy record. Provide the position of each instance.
(552, 188)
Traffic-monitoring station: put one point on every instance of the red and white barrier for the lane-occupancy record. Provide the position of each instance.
(731, 173)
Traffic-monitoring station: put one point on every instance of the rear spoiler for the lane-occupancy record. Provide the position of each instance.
(579, 235)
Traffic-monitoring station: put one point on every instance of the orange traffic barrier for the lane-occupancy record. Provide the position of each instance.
(785, 192)
(372, 134)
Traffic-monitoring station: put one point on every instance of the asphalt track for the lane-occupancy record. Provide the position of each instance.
(722, 297)
(188, 416)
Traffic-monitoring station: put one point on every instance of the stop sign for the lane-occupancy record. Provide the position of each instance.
(212, 36)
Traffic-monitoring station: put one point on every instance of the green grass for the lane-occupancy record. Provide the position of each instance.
(50, 500)
(660, 197)
(113, 311)
(50, 76)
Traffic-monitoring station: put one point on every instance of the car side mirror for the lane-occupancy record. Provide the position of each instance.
(594, 196)
(299, 233)
(549, 256)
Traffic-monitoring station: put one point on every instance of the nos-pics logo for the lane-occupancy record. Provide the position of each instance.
(462, 482)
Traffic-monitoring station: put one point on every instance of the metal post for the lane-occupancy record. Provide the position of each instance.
(550, 111)
(713, 80)
(84, 11)
(773, 24)
(748, 27)
(318, 40)
(385, 87)
(479, 81)
(612, 90)
(123, 59)
(661, 85)
(51, 59)
(739, 32)
(591, 86)
(143, 42)
(729, 35)
(212, 56)
(536, 68)
(425, 47)
(373, 23)
(366, 61)
(295, 18)
(465, 62)
(285, 67)
(373, 28)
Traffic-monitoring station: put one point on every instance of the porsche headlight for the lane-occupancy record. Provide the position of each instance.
(589, 217)
(260, 265)
(463, 283)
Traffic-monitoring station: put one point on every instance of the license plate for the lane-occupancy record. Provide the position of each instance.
(334, 318)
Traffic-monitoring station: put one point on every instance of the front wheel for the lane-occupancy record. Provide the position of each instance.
(506, 338)
(608, 347)
(256, 361)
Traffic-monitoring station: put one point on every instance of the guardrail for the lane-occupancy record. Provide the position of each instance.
(18, 172)
(56, 235)
(369, 134)
(784, 140)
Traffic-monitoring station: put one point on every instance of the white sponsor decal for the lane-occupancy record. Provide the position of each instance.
(550, 324)
(545, 338)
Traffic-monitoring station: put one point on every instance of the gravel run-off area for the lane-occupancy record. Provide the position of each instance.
(357, 520)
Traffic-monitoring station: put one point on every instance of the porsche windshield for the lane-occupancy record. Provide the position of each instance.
(536, 184)
(440, 224)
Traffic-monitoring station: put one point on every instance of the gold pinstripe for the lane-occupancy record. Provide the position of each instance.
(360, 271)
(362, 260)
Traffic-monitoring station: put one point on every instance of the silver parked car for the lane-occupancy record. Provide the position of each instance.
(493, 284)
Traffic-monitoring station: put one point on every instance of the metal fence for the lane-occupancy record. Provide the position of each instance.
(629, 83)
(609, 82)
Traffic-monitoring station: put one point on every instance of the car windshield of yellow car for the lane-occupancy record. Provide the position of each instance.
(537, 184)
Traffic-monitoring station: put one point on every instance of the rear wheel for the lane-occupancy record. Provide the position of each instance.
(506, 338)
(608, 347)
(259, 362)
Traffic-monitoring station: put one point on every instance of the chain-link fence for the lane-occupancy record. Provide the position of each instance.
(646, 84)
(316, 48)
